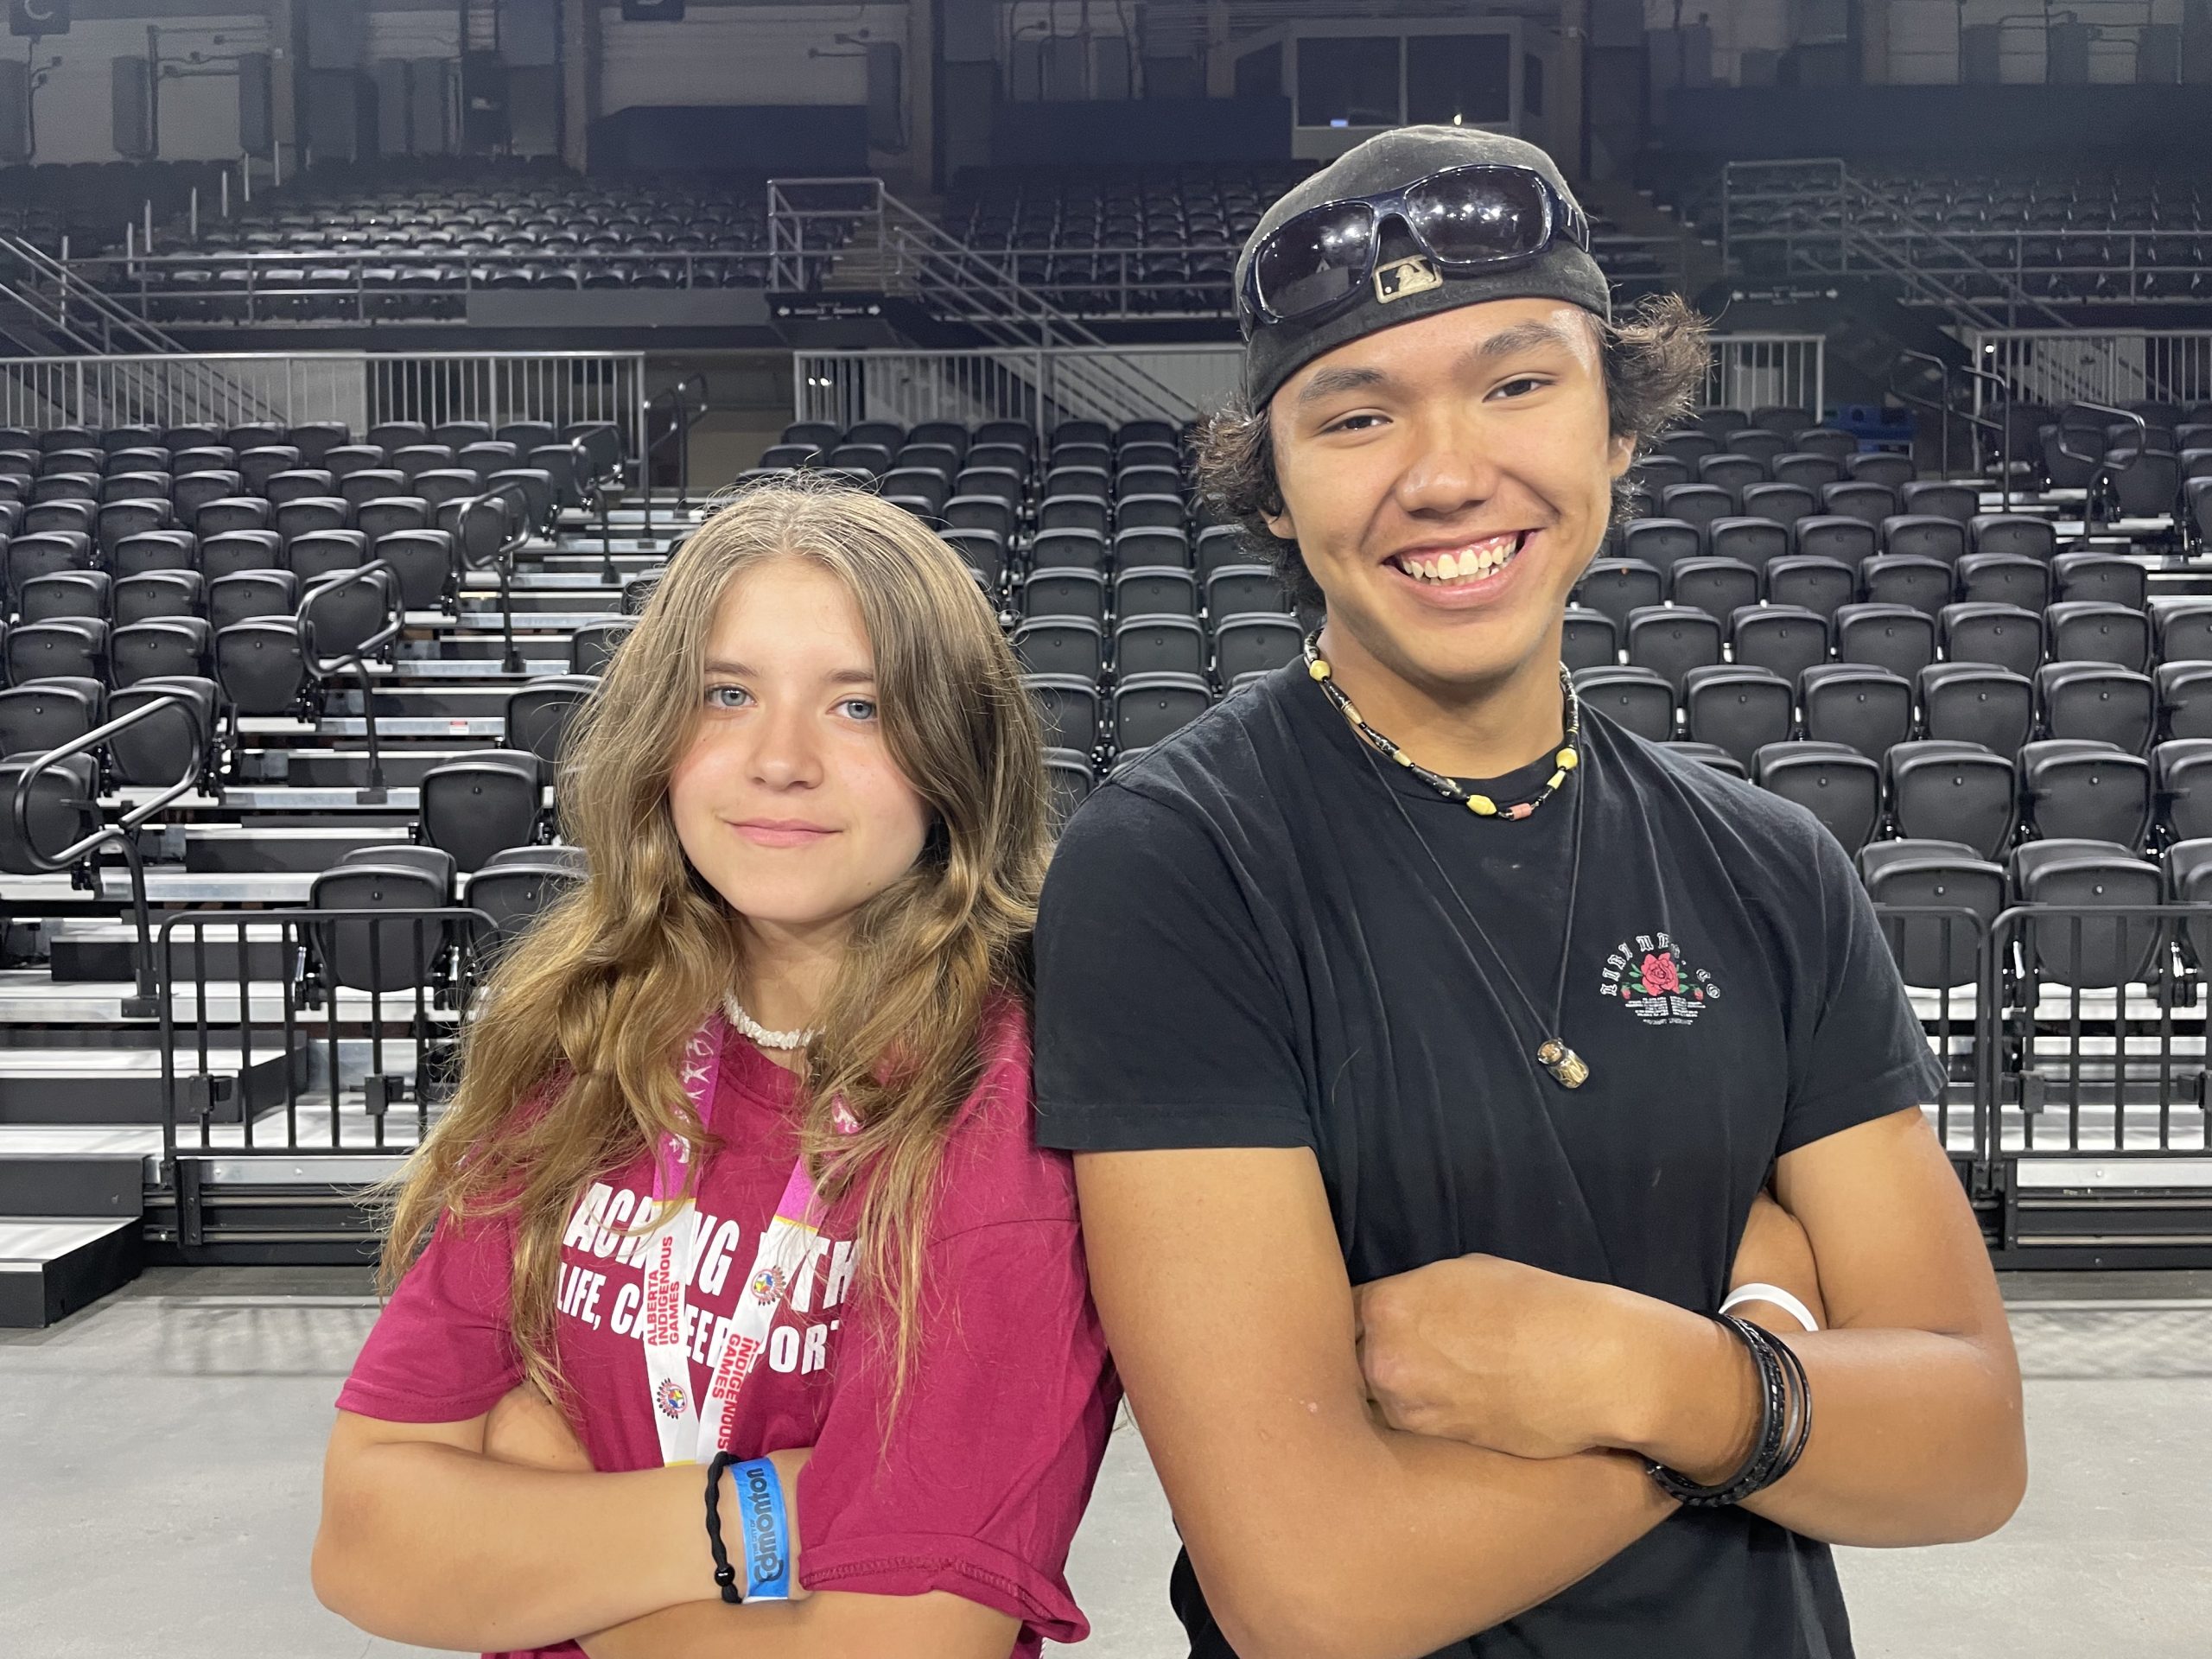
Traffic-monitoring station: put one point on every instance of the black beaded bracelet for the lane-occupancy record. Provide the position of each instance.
(1768, 1445)
(725, 1574)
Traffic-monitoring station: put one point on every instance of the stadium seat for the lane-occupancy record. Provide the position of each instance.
(1934, 950)
(383, 957)
(519, 884)
(1978, 702)
(538, 713)
(2184, 631)
(1811, 583)
(2012, 579)
(2085, 632)
(2078, 874)
(1154, 590)
(2181, 779)
(473, 807)
(1158, 645)
(2073, 788)
(1738, 708)
(1753, 541)
(1946, 791)
(1894, 637)
(1149, 708)
(1638, 699)
(1924, 535)
(2101, 578)
(1062, 644)
(2097, 701)
(1662, 543)
(1833, 782)
(592, 646)
(1672, 640)
(1068, 709)
(1907, 580)
(1254, 644)
(1862, 707)
(1617, 588)
(159, 750)
(1786, 639)
(1716, 585)
(1053, 591)
(1588, 638)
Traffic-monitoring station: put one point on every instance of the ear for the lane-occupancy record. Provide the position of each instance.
(1620, 450)
(1281, 524)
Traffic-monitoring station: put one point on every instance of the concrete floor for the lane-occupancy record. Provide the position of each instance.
(159, 1458)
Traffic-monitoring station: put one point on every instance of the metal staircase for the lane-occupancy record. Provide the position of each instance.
(1863, 234)
(852, 235)
(47, 312)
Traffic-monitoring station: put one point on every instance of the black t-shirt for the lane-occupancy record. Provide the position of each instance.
(1244, 942)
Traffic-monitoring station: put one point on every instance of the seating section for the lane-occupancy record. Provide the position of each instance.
(1117, 241)
(411, 241)
(2139, 231)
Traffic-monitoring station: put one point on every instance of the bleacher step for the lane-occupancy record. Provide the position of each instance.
(75, 1185)
(50, 1268)
(411, 702)
(111, 1084)
(97, 952)
(318, 768)
(228, 850)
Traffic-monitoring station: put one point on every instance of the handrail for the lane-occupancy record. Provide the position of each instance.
(681, 429)
(143, 1004)
(502, 562)
(2101, 462)
(2004, 427)
(1943, 369)
(302, 618)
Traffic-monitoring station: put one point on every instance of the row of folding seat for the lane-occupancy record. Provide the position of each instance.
(1941, 898)
(1871, 710)
(1083, 646)
(1675, 639)
(1170, 590)
(1140, 710)
(313, 439)
(1766, 445)
(63, 573)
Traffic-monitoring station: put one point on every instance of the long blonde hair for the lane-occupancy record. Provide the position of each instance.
(583, 1019)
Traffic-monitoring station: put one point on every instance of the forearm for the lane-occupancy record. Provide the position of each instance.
(441, 1548)
(1916, 1435)
(1383, 1543)
(934, 1625)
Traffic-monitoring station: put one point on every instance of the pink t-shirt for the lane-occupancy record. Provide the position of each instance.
(1008, 1405)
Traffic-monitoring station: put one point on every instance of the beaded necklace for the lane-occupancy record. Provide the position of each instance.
(1481, 805)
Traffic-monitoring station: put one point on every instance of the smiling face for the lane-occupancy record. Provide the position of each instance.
(1446, 481)
(788, 800)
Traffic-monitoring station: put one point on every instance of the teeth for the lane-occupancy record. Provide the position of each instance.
(1472, 562)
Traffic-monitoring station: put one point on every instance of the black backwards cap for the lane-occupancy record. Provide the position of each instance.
(1390, 161)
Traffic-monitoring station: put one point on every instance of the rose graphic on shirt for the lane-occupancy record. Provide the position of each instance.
(1649, 976)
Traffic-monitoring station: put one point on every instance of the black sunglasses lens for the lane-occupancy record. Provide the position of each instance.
(1478, 216)
(1316, 259)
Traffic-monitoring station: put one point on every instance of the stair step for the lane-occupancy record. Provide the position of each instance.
(237, 849)
(596, 599)
(53, 895)
(112, 1084)
(50, 1268)
(413, 702)
(86, 953)
(77, 1184)
(492, 726)
(477, 668)
(320, 768)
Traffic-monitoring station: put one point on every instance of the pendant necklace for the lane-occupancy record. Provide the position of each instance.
(1561, 1062)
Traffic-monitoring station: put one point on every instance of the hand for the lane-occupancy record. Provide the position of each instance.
(527, 1428)
(1496, 1354)
(1776, 1251)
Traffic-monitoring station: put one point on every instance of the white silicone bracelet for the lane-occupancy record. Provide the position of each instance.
(1775, 1294)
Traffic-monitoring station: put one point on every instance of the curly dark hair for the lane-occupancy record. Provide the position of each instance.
(1655, 359)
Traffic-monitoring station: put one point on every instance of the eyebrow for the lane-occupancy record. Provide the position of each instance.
(839, 676)
(1517, 337)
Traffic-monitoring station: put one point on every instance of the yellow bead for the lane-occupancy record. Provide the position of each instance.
(1352, 713)
(1567, 759)
(1318, 669)
(1402, 757)
(1558, 778)
(1482, 806)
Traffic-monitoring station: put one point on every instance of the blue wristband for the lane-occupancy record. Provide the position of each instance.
(767, 1535)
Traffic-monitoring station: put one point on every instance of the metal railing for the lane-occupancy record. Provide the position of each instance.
(2055, 366)
(359, 388)
(1812, 218)
(1044, 385)
(239, 1085)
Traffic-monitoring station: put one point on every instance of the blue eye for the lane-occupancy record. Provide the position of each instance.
(858, 709)
(714, 693)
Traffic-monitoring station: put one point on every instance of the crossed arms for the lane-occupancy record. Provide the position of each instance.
(1484, 1423)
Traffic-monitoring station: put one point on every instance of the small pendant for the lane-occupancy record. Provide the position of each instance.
(1563, 1063)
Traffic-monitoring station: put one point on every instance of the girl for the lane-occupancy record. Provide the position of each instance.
(741, 1161)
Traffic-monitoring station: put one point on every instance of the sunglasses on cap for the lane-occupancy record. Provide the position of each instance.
(1463, 218)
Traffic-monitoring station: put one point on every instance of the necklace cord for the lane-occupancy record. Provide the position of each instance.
(1550, 1034)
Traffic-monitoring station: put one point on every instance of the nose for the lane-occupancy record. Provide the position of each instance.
(1449, 471)
(786, 753)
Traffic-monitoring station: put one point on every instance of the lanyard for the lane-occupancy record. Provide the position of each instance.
(689, 1434)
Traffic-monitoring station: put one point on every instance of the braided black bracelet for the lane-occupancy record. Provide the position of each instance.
(1801, 1429)
(725, 1574)
(1768, 1445)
